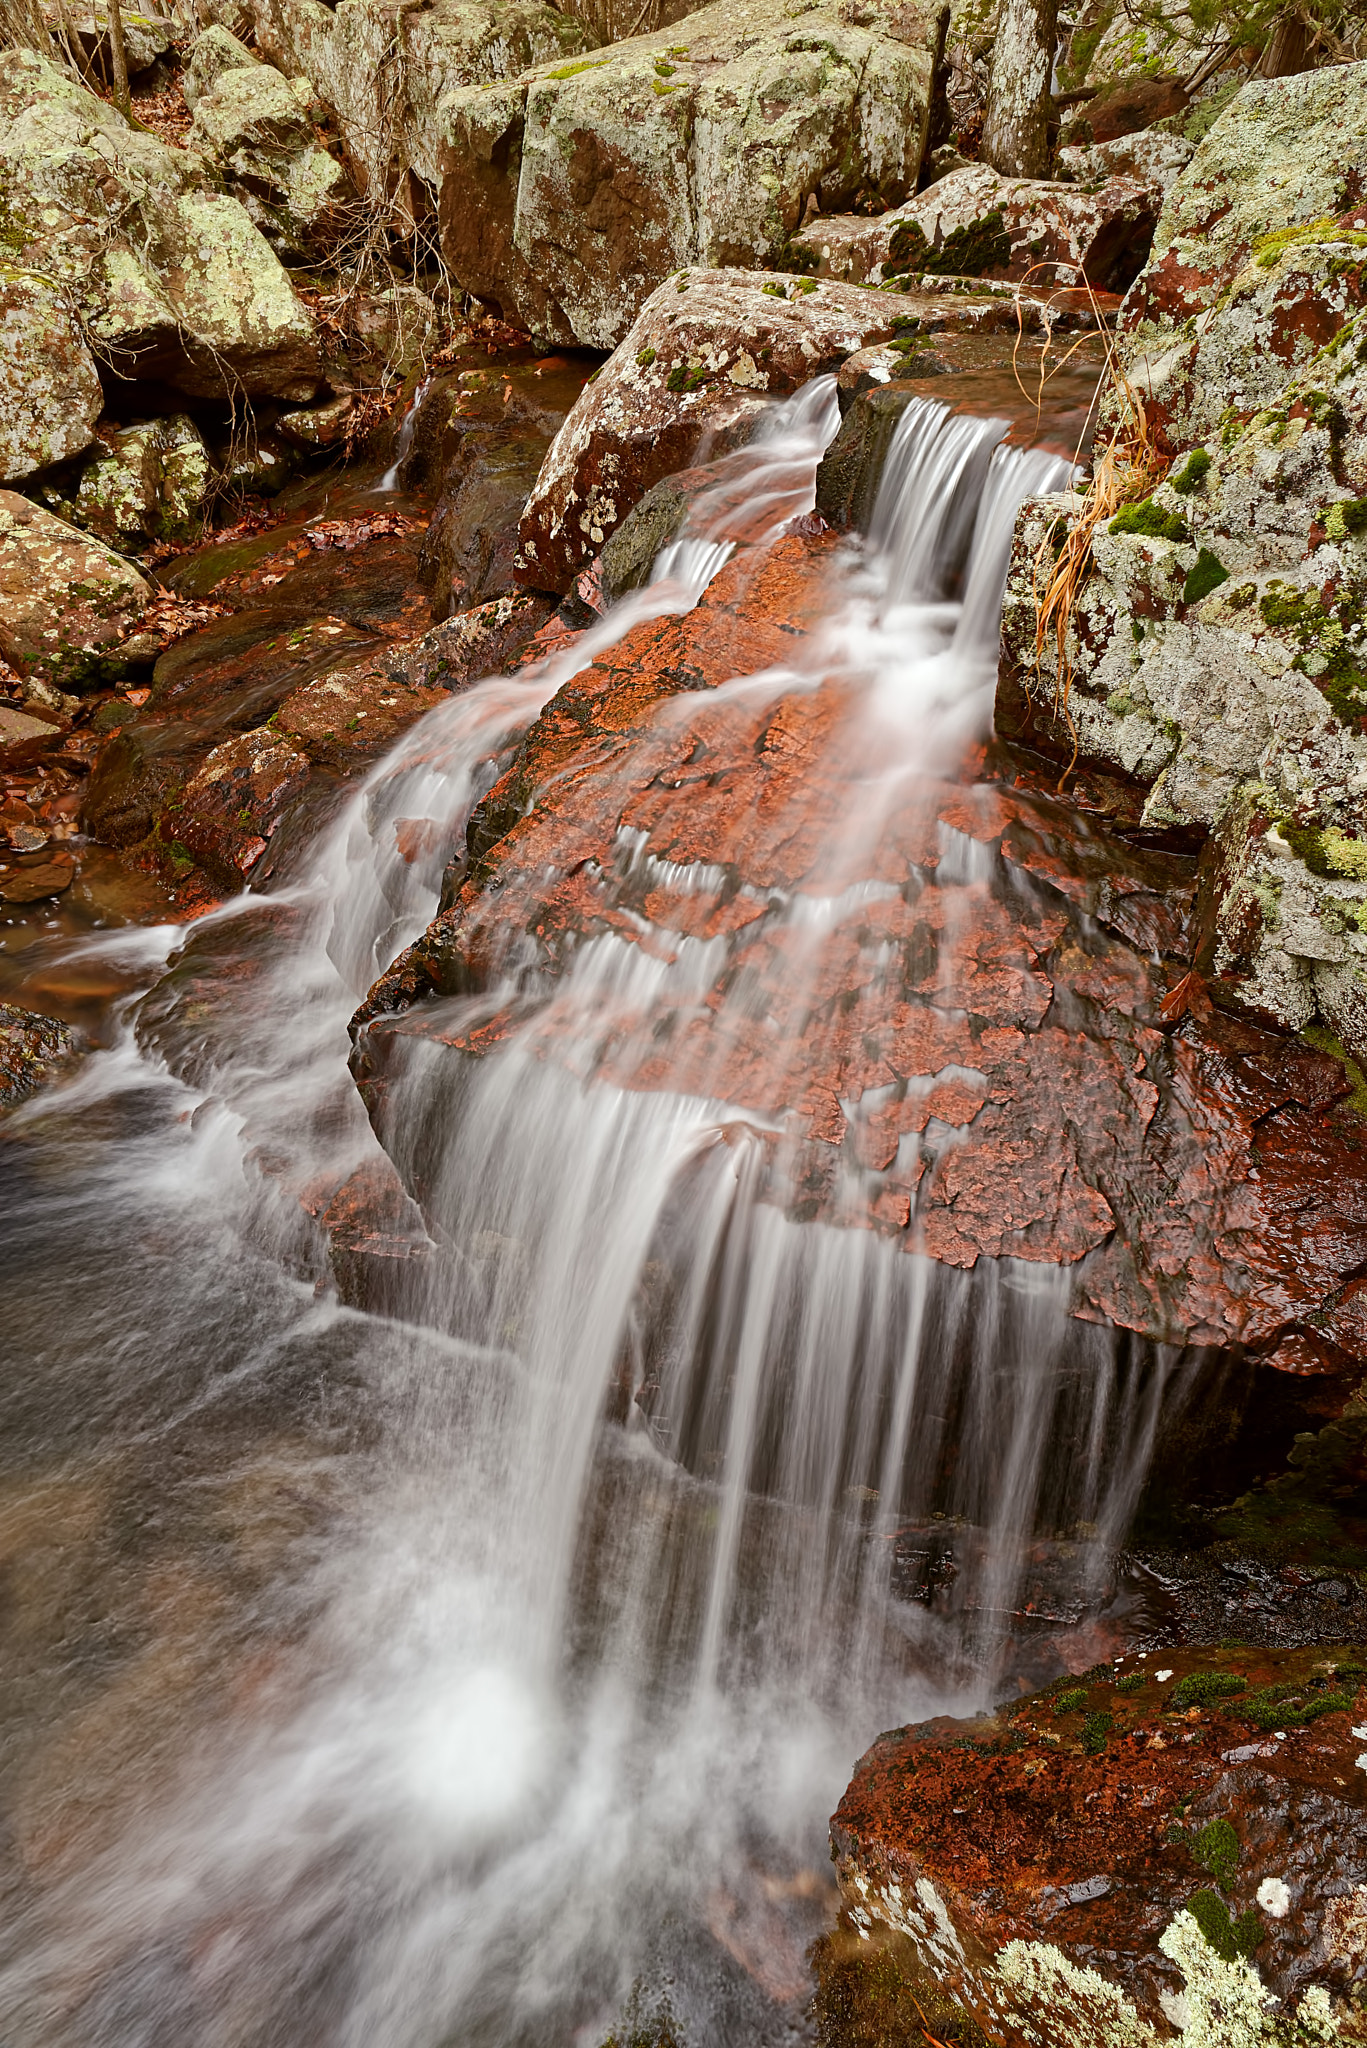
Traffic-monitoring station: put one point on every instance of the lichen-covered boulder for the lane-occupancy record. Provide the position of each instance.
(570, 194)
(172, 281)
(1217, 656)
(254, 124)
(146, 481)
(50, 395)
(1256, 257)
(975, 223)
(1172, 1845)
(69, 607)
(214, 51)
(381, 73)
(707, 353)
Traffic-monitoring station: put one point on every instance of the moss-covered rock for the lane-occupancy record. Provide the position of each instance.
(1217, 655)
(1171, 1844)
(169, 277)
(570, 194)
(146, 481)
(69, 607)
(1258, 254)
(50, 395)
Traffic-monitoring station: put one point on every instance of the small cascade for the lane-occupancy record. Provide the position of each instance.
(677, 1480)
(407, 426)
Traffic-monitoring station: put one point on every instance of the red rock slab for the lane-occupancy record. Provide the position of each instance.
(1077, 1819)
(229, 810)
(983, 1068)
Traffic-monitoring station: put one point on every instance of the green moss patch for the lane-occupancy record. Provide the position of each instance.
(1216, 1849)
(1149, 519)
(1188, 478)
(1206, 1688)
(1206, 573)
(1230, 1939)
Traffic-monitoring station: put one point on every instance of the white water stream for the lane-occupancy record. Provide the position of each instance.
(420, 1705)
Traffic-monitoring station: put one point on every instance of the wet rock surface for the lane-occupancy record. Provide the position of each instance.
(34, 1052)
(1152, 1847)
(1163, 1154)
(708, 352)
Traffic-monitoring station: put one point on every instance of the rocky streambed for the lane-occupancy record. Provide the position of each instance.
(862, 1139)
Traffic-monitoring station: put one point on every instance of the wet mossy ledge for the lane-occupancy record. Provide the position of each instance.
(1170, 1843)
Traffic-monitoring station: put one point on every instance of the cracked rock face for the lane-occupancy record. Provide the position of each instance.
(568, 195)
(170, 278)
(1130, 1855)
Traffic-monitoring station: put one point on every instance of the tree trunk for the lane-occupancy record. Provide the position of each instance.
(1288, 50)
(1016, 125)
(118, 60)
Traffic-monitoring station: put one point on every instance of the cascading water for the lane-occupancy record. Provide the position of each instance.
(526, 1701)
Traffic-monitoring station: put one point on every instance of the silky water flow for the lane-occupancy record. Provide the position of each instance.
(419, 1680)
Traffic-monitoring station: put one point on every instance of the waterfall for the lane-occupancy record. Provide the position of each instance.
(657, 1504)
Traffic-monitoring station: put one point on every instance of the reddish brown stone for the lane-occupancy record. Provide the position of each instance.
(230, 809)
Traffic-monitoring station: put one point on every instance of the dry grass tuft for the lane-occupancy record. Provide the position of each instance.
(1127, 469)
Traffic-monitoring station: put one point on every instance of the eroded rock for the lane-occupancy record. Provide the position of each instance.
(569, 195)
(1171, 1845)
(383, 75)
(1166, 1160)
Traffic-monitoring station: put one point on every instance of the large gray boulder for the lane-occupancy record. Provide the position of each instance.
(50, 395)
(569, 194)
(254, 125)
(381, 72)
(169, 277)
